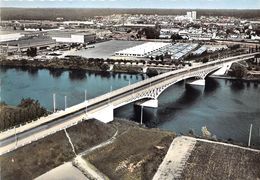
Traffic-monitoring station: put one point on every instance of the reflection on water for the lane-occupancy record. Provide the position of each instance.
(226, 114)
(77, 75)
(56, 73)
(211, 86)
(40, 84)
(237, 85)
(33, 71)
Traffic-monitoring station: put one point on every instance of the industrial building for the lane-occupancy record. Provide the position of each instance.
(176, 51)
(72, 37)
(22, 44)
(142, 50)
(10, 36)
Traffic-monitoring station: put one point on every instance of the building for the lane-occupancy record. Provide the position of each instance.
(72, 37)
(22, 44)
(189, 14)
(194, 15)
(142, 50)
(10, 36)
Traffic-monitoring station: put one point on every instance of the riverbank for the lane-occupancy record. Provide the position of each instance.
(257, 80)
(39, 157)
(123, 149)
(75, 63)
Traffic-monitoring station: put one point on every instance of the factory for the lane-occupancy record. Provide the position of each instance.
(72, 37)
(10, 36)
(142, 50)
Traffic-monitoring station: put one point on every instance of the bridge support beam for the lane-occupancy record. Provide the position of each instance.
(105, 115)
(153, 103)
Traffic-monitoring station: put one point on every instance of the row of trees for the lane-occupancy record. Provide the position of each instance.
(26, 111)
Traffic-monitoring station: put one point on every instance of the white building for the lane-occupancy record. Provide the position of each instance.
(189, 14)
(72, 37)
(10, 36)
(194, 15)
(142, 50)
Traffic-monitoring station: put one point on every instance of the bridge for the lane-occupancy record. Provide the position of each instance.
(102, 107)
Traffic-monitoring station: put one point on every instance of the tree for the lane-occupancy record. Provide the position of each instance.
(161, 57)
(151, 33)
(32, 52)
(205, 60)
(175, 37)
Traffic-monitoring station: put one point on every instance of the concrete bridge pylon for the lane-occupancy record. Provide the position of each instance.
(105, 114)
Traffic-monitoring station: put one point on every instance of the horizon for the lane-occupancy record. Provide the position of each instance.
(134, 4)
(126, 8)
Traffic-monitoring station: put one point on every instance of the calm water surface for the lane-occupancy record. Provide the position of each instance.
(227, 108)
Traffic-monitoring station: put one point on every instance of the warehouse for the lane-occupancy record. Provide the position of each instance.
(72, 37)
(10, 36)
(142, 50)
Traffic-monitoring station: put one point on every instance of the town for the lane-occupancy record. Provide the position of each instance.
(129, 93)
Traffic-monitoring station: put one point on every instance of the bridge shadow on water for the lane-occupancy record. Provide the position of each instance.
(168, 107)
(211, 86)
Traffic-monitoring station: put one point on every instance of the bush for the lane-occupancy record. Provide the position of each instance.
(104, 67)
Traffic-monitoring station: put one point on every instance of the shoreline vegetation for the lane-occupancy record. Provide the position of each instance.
(27, 111)
(76, 63)
(236, 72)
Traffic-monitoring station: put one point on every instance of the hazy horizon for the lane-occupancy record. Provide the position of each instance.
(134, 4)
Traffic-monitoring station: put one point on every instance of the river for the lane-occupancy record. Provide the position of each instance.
(226, 108)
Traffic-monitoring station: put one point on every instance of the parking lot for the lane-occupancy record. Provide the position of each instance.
(105, 49)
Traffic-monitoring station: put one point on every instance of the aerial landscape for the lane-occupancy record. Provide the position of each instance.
(120, 89)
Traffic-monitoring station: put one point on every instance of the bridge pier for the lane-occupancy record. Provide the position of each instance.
(104, 115)
(145, 69)
(153, 103)
(199, 82)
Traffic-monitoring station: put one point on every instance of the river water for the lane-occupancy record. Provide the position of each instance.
(226, 108)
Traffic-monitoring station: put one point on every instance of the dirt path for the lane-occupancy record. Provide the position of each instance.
(175, 159)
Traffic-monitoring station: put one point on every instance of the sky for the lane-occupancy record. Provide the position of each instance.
(169, 4)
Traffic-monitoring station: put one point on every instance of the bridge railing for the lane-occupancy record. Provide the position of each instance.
(108, 95)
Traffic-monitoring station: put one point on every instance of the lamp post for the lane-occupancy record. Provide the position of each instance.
(15, 137)
(250, 133)
(142, 114)
(54, 102)
(65, 102)
(86, 95)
